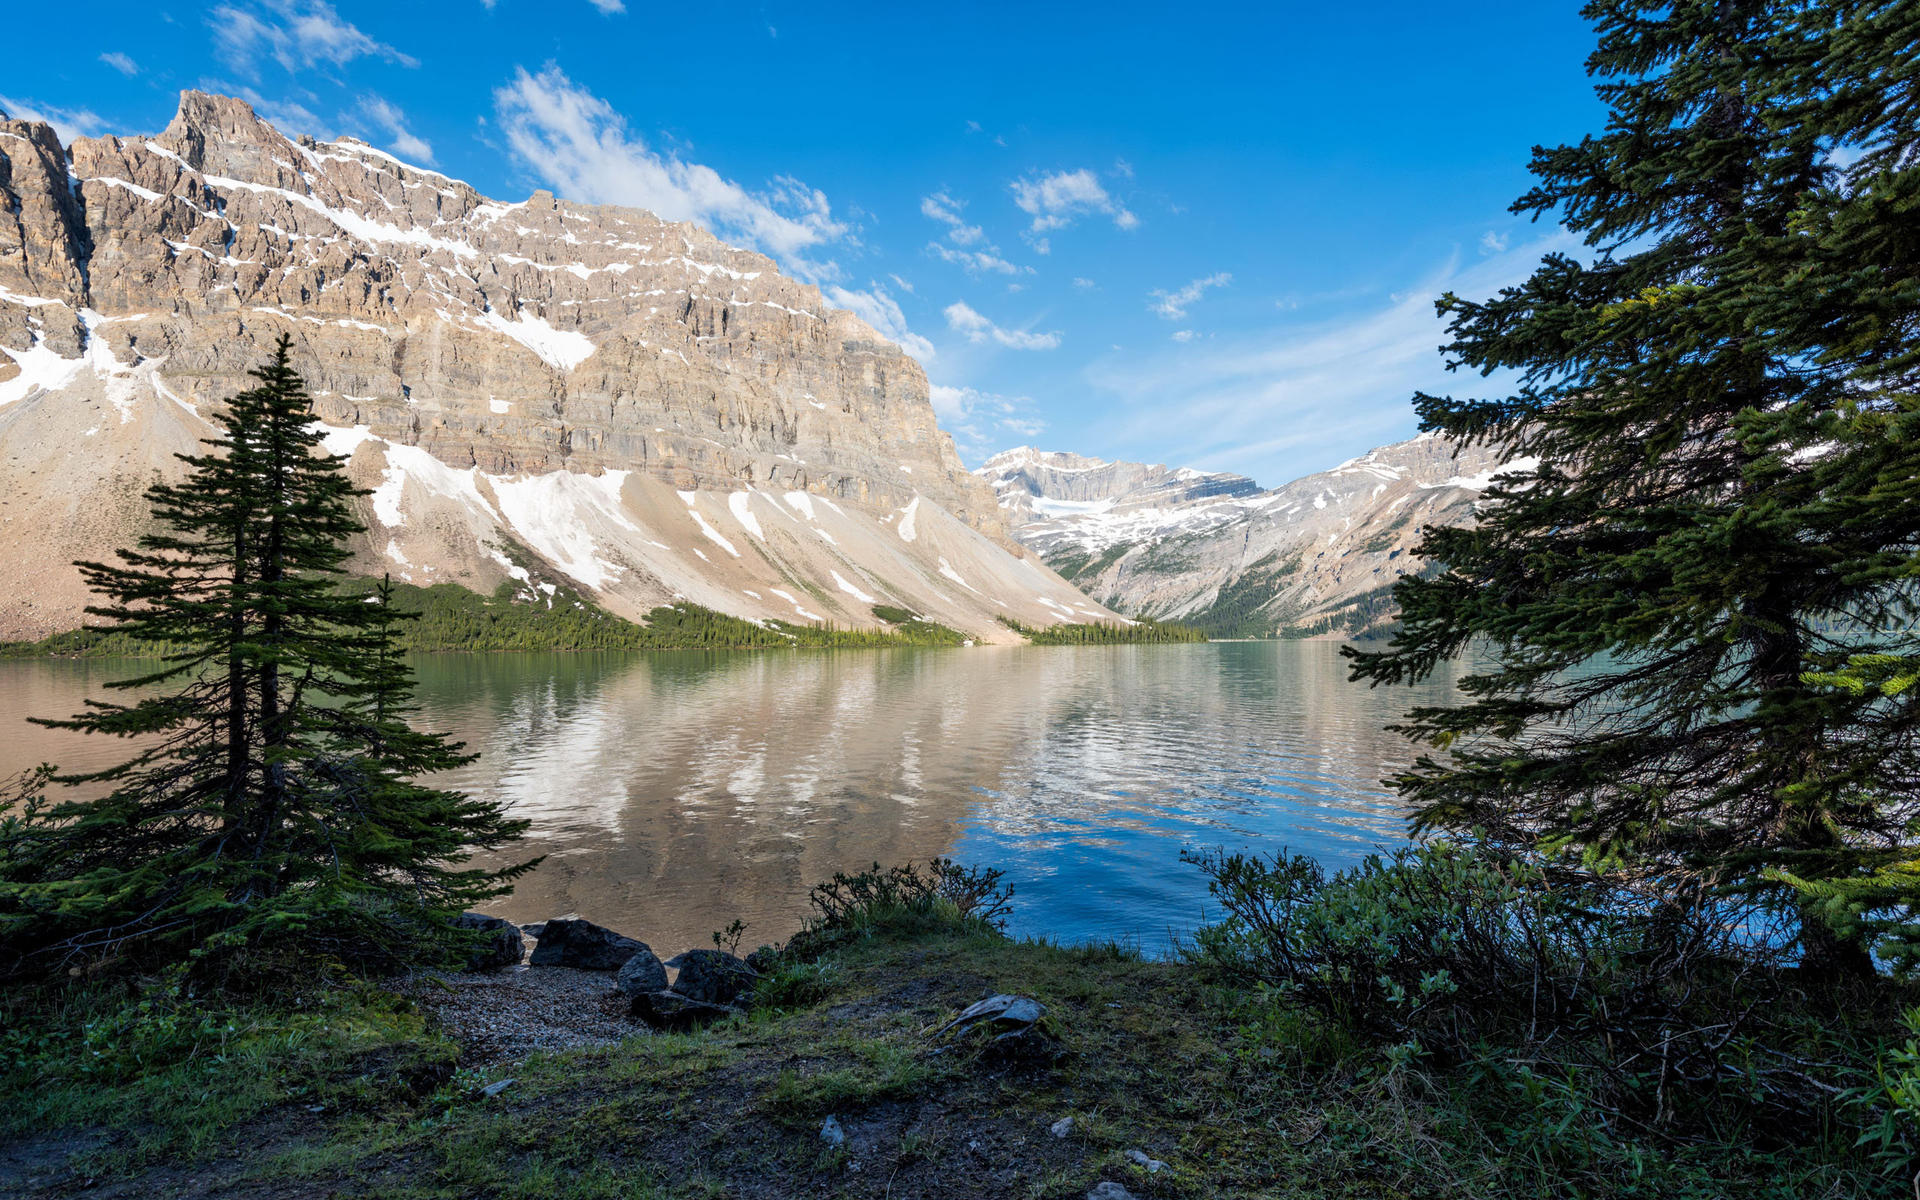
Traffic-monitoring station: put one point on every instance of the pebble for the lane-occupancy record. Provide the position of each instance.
(1153, 1165)
(1061, 1128)
(1109, 1190)
(831, 1133)
(504, 1016)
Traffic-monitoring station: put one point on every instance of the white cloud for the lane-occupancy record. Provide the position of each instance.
(1494, 243)
(983, 422)
(403, 141)
(68, 123)
(945, 209)
(121, 63)
(1183, 335)
(581, 147)
(609, 7)
(1276, 403)
(963, 319)
(294, 33)
(288, 116)
(1084, 283)
(1173, 305)
(976, 262)
(1055, 201)
(902, 284)
(878, 309)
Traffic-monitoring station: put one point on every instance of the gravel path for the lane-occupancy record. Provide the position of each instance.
(506, 1015)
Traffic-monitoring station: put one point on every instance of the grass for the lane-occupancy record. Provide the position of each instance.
(1239, 1093)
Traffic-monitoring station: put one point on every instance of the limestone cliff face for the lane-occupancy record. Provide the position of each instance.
(625, 400)
(1216, 550)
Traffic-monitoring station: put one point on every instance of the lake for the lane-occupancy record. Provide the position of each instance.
(675, 791)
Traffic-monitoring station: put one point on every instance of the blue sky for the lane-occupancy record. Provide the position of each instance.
(1207, 235)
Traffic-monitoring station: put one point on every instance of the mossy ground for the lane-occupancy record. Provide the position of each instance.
(1239, 1094)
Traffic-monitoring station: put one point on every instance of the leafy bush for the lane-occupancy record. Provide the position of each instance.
(909, 900)
(1447, 951)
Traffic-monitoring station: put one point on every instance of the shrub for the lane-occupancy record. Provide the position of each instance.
(909, 900)
(1452, 953)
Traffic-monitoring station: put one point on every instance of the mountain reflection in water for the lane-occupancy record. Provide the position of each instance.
(673, 792)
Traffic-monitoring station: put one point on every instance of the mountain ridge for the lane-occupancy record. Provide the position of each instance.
(652, 413)
(1313, 556)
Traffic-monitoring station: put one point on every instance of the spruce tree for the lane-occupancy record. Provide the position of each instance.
(1683, 593)
(270, 816)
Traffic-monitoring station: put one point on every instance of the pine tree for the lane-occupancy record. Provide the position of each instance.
(270, 815)
(1710, 504)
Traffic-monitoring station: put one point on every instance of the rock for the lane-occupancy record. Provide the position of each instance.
(1139, 1158)
(672, 1011)
(713, 976)
(1007, 1015)
(534, 930)
(495, 1088)
(1061, 1128)
(1107, 1189)
(764, 959)
(504, 946)
(644, 972)
(584, 946)
(831, 1133)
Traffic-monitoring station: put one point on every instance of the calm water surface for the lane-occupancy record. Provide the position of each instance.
(672, 792)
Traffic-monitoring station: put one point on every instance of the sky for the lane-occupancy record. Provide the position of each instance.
(1203, 235)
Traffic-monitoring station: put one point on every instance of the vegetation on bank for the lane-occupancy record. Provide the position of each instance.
(449, 617)
(1269, 1060)
(1105, 633)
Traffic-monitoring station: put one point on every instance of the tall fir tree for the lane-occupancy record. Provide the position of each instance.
(1709, 512)
(270, 814)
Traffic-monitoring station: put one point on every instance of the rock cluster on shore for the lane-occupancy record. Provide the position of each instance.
(707, 984)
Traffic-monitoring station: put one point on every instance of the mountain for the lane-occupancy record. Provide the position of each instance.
(1214, 550)
(534, 392)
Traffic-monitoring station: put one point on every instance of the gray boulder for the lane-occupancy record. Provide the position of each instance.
(503, 946)
(672, 1011)
(713, 976)
(642, 973)
(583, 946)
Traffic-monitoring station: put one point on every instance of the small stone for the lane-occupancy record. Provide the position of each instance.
(495, 1088)
(831, 1133)
(1139, 1158)
(1107, 1189)
(1061, 1128)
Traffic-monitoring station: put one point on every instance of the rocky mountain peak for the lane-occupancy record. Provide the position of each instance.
(625, 400)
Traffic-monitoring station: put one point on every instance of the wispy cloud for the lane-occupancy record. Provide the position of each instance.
(403, 140)
(882, 311)
(68, 123)
(945, 209)
(121, 63)
(609, 7)
(1279, 402)
(1494, 243)
(297, 34)
(970, 250)
(582, 148)
(963, 319)
(1057, 200)
(984, 422)
(1173, 305)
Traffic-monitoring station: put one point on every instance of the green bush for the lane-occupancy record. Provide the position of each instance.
(1659, 1006)
(941, 897)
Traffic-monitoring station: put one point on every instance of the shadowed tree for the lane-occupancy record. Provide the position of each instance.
(269, 814)
(1710, 509)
